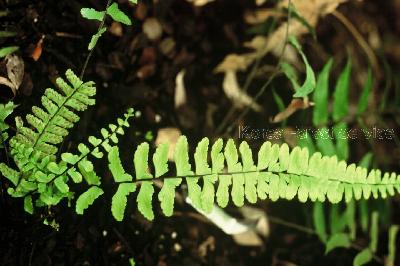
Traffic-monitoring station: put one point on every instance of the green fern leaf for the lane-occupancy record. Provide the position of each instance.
(183, 168)
(116, 167)
(146, 191)
(51, 125)
(160, 160)
(144, 199)
(60, 183)
(118, 203)
(28, 205)
(234, 166)
(87, 198)
(10, 173)
(250, 189)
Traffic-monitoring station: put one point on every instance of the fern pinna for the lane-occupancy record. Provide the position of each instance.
(42, 179)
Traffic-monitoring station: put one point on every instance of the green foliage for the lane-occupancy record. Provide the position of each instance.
(309, 83)
(337, 241)
(116, 14)
(341, 94)
(95, 38)
(363, 101)
(113, 11)
(320, 96)
(5, 111)
(87, 198)
(278, 174)
(4, 51)
(42, 179)
(90, 13)
(393, 231)
(51, 122)
(319, 221)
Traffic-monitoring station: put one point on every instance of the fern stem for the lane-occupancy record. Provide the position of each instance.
(245, 172)
(83, 156)
(91, 51)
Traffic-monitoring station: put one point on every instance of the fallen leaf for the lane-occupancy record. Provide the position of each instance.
(235, 62)
(242, 232)
(200, 2)
(141, 11)
(116, 29)
(37, 52)
(260, 15)
(207, 245)
(168, 135)
(15, 72)
(238, 97)
(295, 105)
(152, 28)
(146, 71)
(248, 238)
(259, 217)
(180, 91)
(167, 46)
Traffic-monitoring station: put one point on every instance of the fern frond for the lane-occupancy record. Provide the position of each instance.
(279, 173)
(51, 123)
(48, 181)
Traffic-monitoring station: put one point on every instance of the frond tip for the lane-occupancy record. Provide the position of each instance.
(51, 123)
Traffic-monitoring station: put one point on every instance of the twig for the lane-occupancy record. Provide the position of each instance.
(360, 40)
(122, 238)
(31, 254)
(91, 51)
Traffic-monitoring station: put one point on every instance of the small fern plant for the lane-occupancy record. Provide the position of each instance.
(43, 179)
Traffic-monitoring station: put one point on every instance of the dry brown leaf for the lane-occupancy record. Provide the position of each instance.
(168, 135)
(208, 244)
(260, 2)
(180, 91)
(238, 97)
(248, 238)
(116, 29)
(295, 105)
(37, 52)
(235, 62)
(259, 216)
(310, 10)
(260, 15)
(15, 72)
(152, 28)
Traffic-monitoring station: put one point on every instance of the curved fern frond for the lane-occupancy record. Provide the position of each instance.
(48, 182)
(279, 173)
(51, 123)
